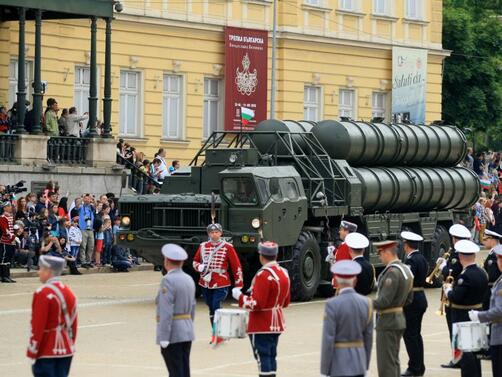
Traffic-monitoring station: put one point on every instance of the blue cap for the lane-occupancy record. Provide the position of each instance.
(55, 264)
(214, 227)
(174, 252)
(346, 268)
(268, 248)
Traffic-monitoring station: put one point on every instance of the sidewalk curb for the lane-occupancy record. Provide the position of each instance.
(18, 273)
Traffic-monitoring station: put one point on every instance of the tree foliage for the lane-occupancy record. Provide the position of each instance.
(472, 78)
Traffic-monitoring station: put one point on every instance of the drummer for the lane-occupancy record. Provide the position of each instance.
(269, 294)
(494, 316)
(466, 294)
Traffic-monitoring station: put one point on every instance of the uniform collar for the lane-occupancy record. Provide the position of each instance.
(174, 270)
(491, 251)
(410, 254)
(346, 290)
(270, 264)
(53, 280)
(357, 257)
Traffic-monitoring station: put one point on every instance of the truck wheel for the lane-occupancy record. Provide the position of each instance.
(439, 245)
(305, 267)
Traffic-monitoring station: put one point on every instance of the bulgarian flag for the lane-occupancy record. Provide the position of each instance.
(246, 115)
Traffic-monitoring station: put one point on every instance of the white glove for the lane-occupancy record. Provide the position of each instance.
(236, 293)
(442, 263)
(474, 315)
(447, 289)
(164, 344)
(331, 253)
(33, 361)
(201, 267)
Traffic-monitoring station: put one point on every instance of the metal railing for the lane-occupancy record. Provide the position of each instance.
(67, 150)
(7, 148)
(141, 182)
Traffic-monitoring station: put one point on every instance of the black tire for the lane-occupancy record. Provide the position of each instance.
(439, 245)
(305, 267)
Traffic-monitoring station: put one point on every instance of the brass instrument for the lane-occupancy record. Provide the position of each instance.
(436, 271)
(444, 300)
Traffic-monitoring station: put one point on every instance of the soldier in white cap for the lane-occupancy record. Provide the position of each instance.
(491, 240)
(348, 326)
(53, 322)
(452, 267)
(467, 294)
(414, 312)
(269, 294)
(342, 252)
(214, 260)
(493, 315)
(175, 312)
(356, 243)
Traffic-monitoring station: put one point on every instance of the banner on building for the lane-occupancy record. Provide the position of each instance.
(245, 78)
(409, 81)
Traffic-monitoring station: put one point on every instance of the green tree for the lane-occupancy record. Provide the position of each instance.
(472, 79)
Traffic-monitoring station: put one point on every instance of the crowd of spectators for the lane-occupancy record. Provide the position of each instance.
(53, 123)
(157, 168)
(83, 231)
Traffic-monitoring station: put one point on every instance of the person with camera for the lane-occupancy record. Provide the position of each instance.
(7, 242)
(52, 247)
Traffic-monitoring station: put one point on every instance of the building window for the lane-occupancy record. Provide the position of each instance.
(379, 107)
(129, 103)
(349, 5)
(312, 103)
(381, 7)
(82, 88)
(347, 103)
(13, 76)
(414, 9)
(213, 108)
(315, 3)
(172, 107)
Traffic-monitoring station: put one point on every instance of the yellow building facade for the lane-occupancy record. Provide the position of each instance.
(334, 58)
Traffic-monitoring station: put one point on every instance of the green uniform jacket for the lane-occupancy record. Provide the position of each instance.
(395, 285)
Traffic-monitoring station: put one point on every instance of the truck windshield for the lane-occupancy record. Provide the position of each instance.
(240, 191)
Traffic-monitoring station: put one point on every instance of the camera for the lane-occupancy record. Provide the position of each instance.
(11, 190)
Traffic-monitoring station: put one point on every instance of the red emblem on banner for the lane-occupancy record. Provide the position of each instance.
(246, 58)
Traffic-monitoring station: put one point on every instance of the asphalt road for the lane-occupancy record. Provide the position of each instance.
(117, 331)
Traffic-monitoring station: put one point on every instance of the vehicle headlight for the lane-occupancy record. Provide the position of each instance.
(126, 221)
(256, 223)
(130, 237)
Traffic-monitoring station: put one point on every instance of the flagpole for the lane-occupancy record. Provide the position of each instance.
(274, 47)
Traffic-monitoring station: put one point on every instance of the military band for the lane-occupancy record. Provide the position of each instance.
(269, 294)
(465, 294)
(415, 311)
(450, 269)
(493, 315)
(348, 326)
(357, 243)
(213, 260)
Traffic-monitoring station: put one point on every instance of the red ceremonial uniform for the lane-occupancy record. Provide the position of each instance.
(50, 336)
(216, 275)
(270, 292)
(7, 229)
(342, 253)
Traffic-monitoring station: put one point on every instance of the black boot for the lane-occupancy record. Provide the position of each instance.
(7, 274)
(73, 269)
(3, 277)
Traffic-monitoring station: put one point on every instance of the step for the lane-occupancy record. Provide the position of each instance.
(17, 273)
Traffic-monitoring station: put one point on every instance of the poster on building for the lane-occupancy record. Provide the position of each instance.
(246, 60)
(409, 81)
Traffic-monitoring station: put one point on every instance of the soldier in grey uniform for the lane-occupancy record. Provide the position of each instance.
(494, 316)
(395, 285)
(175, 312)
(348, 326)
